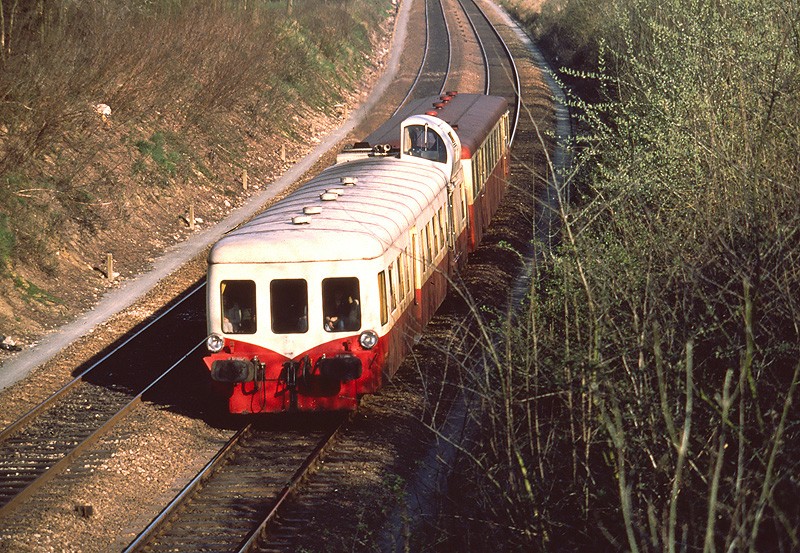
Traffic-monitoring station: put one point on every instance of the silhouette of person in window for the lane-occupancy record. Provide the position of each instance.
(425, 139)
(233, 319)
(345, 313)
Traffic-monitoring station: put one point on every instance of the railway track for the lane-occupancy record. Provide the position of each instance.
(216, 504)
(42, 443)
(228, 504)
(436, 61)
(223, 509)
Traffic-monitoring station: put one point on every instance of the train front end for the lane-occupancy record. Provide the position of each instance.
(291, 337)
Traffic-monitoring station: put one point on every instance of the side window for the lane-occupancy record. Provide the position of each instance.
(401, 276)
(428, 245)
(442, 233)
(382, 293)
(341, 304)
(238, 306)
(392, 291)
(289, 306)
(476, 176)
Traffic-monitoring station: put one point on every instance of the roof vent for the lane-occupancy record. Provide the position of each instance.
(337, 191)
(348, 181)
(328, 196)
(312, 210)
(301, 220)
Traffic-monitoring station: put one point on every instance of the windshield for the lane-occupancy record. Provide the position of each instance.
(422, 141)
(289, 306)
(238, 306)
(341, 304)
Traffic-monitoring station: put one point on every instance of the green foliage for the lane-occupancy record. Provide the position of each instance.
(7, 240)
(32, 292)
(166, 158)
(653, 388)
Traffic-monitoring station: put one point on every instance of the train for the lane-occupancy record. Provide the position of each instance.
(317, 300)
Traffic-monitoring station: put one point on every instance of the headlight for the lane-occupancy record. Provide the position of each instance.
(368, 339)
(215, 343)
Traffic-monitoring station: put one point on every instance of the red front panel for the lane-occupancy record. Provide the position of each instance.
(311, 392)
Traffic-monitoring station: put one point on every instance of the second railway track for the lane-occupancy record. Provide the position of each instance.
(41, 444)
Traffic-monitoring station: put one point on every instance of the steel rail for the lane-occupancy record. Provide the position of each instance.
(20, 423)
(449, 50)
(98, 433)
(187, 492)
(515, 79)
(426, 50)
(487, 87)
(172, 529)
(291, 486)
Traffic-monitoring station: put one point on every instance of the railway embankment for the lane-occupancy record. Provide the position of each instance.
(209, 106)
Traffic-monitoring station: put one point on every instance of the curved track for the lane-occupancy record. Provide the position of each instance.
(437, 59)
(502, 76)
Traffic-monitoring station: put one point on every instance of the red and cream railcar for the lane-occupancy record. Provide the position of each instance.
(318, 299)
(483, 126)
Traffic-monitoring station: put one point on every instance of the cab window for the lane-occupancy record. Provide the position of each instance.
(422, 141)
(289, 306)
(341, 304)
(238, 306)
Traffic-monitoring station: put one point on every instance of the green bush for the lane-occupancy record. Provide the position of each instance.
(165, 158)
(7, 241)
(648, 401)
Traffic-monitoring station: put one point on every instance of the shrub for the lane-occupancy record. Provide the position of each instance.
(7, 240)
(648, 399)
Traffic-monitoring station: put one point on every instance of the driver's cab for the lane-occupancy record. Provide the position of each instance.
(428, 137)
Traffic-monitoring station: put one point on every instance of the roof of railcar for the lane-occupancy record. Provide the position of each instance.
(368, 217)
(472, 116)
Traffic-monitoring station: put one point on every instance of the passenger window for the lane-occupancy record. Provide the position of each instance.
(428, 246)
(442, 233)
(392, 295)
(476, 176)
(382, 293)
(238, 306)
(289, 306)
(341, 304)
(401, 276)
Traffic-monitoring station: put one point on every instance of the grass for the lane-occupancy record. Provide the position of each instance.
(165, 157)
(7, 241)
(32, 292)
